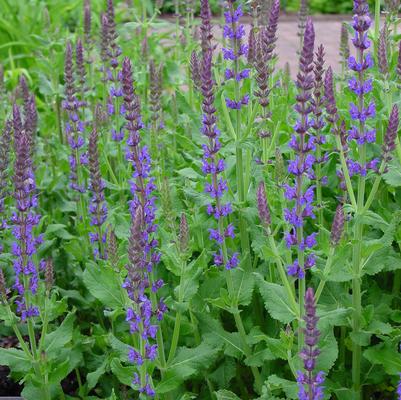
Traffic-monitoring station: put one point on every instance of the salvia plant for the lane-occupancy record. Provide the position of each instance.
(181, 218)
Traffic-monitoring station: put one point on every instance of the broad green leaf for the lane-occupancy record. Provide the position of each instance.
(105, 284)
(223, 375)
(57, 339)
(93, 377)
(123, 373)
(276, 303)
(218, 337)
(385, 355)
(290, 388)
(189, 362)
(16, 359)
(243, 286)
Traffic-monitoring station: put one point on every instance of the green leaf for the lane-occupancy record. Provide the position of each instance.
(119, 347)
(393, 175)
(93, 377)
(290, 388)
(276, 303)
(385, 355)
(217, 336)
(243, 286)
(226, 395)
(16, 359)
(105, 284)
(57, 339)
(188, 363)
(223, 375)
(123, 374)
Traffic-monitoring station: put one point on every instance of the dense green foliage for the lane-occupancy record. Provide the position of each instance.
(227, 335)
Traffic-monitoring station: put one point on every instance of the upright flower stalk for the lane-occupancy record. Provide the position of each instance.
(318, 125)
(310, 383)
(264, 65)
(234, 32)
(213, 166)
(301, 169)
(360, 113)
(24, 220)
(74, 127)
(97, 207)
(139, 283)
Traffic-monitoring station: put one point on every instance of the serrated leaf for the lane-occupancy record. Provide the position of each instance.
(16, 359)
(243, 286)
(217, 336)
(105, 284)
(386, 356)
(223, 375)
(187, 363)
(290, 388)
(276, 303)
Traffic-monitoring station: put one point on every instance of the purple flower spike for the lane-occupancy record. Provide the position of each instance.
(391, 135)
(263, 207)
(142, 254)
(74, 127)
(310, 385)
(337, 228)
(213, 165)
(206, 27)
(97, 208)
(23, 221)
(301, 168)
(234, 32)
(362, 110)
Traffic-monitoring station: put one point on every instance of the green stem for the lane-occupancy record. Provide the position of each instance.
(356, 283)
(177, 324)
(283, 275)
(345, 171)
(241, 329)
(326, 271)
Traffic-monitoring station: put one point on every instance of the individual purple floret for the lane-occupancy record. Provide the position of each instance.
(362, 110)
(142, 246)
(97, 207)
(213, 167)
(234, 32)
(301, 168)
(74, 127)
(23, 222)
(310, 385)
